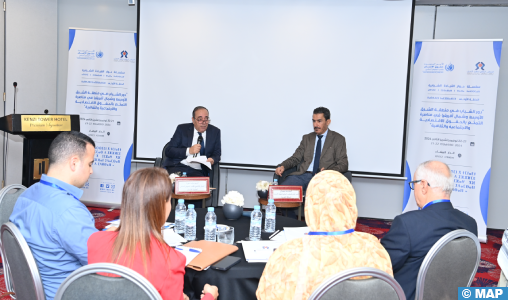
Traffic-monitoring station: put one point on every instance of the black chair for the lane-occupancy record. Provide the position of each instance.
(24, 273)
(85, 283)
(214, 176)
(341, 286)
(451, 263)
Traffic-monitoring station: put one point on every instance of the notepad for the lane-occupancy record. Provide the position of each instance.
(260, 251)
(172, 238)
(190, 253)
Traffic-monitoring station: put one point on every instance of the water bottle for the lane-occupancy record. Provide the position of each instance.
(190, 223)
(184, 174)
(210, 225)
(270, 216)
(180, 212)
(255, 224)
(276, 182)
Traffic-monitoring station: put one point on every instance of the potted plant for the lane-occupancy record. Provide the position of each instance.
(262, 188)
(233, 205)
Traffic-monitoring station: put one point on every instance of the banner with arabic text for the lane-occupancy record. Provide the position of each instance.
(452, 116)
(101, 89)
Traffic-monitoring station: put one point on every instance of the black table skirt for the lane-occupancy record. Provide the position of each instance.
(241, 281)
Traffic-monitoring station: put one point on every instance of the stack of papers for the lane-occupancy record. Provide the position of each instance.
(172, 238)
(190, 253)
(202, 159)
(260, 251)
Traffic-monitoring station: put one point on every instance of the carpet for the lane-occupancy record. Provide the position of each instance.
(487, 275)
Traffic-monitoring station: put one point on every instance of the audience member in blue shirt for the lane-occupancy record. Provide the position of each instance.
(55, 224)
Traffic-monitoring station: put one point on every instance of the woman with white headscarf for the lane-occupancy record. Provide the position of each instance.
(299, 266)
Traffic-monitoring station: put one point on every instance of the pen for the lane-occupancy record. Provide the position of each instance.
(274, 234)
(190, 250)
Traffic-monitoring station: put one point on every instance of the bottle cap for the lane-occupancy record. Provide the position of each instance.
(210, 209)
(191, 206)
(257, 207)
(181, 201)
(275, 180)
(184, 173)
(270, 201)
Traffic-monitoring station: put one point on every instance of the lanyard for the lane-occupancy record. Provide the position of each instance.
(57, 187)
(434, 202)
(331, 232)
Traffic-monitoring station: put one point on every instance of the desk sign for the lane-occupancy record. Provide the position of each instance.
(285, 193)
(192, 185)
(45, 123)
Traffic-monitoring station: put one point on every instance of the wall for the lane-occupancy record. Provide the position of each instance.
(45, 31)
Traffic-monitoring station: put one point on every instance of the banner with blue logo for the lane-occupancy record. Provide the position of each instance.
(452, 116)
(101, 89)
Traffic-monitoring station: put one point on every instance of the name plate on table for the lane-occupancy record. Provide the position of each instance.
(285, 193)
(45, 123)
(192, 185)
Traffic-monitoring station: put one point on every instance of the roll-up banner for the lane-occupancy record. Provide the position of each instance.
(101, 89)
(451, 118)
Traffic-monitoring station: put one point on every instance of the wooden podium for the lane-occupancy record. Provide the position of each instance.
(38, 131)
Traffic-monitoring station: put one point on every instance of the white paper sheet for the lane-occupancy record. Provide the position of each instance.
(201, 160)
(259, 251)
(172, 238)
(190, 253)
(295, 232)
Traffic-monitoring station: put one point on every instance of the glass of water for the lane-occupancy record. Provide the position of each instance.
(226, 235)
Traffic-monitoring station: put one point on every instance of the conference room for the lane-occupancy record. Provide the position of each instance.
(245, 94)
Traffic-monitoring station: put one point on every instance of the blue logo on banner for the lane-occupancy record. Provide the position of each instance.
(480, 65)
(482, 293)
(449, 67)
(99, 54)
(124, 53)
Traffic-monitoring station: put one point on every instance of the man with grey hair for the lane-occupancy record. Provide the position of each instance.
(413, 234)
(54, 223)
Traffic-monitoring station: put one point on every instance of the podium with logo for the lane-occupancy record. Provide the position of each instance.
(38, 131)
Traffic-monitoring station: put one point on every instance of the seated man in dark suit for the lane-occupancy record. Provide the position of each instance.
(320, 150)
(413, 234)
(198, 137)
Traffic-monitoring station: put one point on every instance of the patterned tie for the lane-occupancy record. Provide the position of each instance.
(317, 155)
(202, 151)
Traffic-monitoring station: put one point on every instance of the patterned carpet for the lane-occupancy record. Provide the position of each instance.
(487, 276)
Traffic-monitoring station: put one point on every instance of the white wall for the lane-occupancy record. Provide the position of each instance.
(45, 25)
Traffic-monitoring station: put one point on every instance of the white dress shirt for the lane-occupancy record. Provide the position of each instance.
(196, 166)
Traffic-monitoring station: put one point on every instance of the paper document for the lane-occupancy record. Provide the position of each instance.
(295, 232)
(259, 251)
(190, 253)
(199, 159)
(172, 238)
(279, 237)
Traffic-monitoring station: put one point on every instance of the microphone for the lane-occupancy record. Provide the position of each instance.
(15, 84)
(200, 139)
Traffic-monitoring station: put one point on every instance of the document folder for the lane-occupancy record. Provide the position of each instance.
(211, 253)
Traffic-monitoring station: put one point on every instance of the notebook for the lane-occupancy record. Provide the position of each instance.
(211, 253)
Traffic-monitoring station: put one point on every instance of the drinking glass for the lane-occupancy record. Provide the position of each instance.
(226, 236)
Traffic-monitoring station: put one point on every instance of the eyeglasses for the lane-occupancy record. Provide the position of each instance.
(412, 184)
(205, 120)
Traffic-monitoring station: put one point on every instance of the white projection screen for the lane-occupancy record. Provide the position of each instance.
(262, 66)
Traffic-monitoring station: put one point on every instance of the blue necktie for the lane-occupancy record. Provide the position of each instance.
(317, 155)
(202, 142)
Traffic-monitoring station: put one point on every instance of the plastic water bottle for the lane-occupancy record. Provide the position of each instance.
(184, 174)
(180, 212)
(210, 225)
(190, 223)
(276, 182)
(255, 224)
(270, 216)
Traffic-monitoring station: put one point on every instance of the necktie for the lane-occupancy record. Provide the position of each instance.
(317, 155)
(202, 142)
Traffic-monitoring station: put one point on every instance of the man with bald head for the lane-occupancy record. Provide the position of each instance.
(413, 234)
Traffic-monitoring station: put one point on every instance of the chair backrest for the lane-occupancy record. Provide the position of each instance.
(85, 283)
(215, 183)
(340, 286)
(8, 197)
(451, 263)
(25, 277)
(164, 151)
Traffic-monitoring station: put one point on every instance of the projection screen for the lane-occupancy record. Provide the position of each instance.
(261, 67)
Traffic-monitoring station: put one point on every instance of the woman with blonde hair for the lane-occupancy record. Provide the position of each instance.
(299, 266)
(138, 243)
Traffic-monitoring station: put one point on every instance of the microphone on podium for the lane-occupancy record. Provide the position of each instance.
(200, 139)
